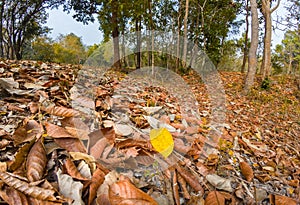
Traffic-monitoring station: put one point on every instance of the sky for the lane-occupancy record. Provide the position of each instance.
(63, 23)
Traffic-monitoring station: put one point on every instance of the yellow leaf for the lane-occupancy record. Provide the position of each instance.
(162, 141)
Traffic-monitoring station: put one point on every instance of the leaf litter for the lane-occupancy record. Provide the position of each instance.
(110, 158)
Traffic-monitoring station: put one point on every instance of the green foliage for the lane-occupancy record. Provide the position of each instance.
(40, 49)
(266, 84)
(69, 49)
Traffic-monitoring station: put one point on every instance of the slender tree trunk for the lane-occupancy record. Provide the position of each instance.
(252, 58)
(266, 62)
(185, 33)
(178, 35)
(115, 34)
(202, 7)
(1, 29)
(138, 42)
(246, 38)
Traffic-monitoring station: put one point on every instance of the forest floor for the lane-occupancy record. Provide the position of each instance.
(70, 138)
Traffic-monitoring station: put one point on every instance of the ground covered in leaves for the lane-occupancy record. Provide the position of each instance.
(120, 140)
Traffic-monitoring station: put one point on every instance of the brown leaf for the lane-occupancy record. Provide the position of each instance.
(97, 150)
(24, 187)
(281, 200)
(72, 170)
(21, 155)
(190, 179)
(124, 192)
(76, 127)
(247, 171)
(56, 132)
(71, 144)
(215, 198)
(32, 129)
(13, 197)
(97, 180)
(60, 111)
(36, 161)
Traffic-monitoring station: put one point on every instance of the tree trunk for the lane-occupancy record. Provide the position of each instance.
(185, 40)
(178, 36)
(252, 58)
(266, 62)
(246, 38)
(138, 42)
(1, 29)
(115, 34)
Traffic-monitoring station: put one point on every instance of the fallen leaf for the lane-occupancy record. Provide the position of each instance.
(162, 141)
(281, 200)
(30, 190)
(247, 171)
(70, 188)
(72, 170)
(124, 192)
(56, 132)
(36, 161)
(219, 182)
(60, 111)
(71, 144)
(215, 198)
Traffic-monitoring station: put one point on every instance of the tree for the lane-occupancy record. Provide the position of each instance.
(246, 37)
(69, 49)
(266, 62)
(252, 58)
(288, 53)
(20, 22)
(41, 48)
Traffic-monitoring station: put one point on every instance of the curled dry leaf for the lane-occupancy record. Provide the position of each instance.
(21, 155)
(97, 179)
(215, 198)
(70, 188)
(12, 196)
(60, 111)
(72, 170)
(25, 188)
(190, 179)
(124, 192)
(97, 150)
(36, 161)
(247, 171)
(56, 132)
(282, 200)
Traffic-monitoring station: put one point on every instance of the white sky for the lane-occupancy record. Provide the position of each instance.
(63, 23)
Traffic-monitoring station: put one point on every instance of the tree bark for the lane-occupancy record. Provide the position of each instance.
(252, 58)
(1, 29)
(246, 38)
(185, 40)
(178, 35)
(138, 42)
(115, 34)
(266, 62)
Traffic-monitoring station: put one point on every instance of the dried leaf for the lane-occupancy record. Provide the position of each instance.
(97, 180)
(70, 188)
(124, 192)
(76, 127)
(71, 144)
(36, 161)
(84, 169)
(21, 155)
(13, 197)
(60, 111)
(72, 170)
(123, 130)
(56, 132)
(215, 198)
(219, 182)
(32, 129)
(24, 187)
(190, 179)
(97, 150)
(247, 171)
(282, 200)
